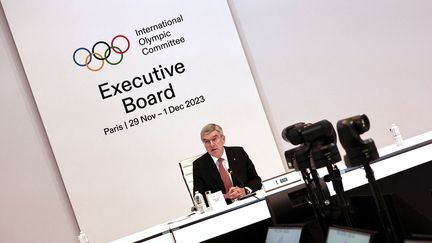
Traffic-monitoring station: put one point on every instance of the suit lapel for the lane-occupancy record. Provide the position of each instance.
(231, 159)
(213, 171)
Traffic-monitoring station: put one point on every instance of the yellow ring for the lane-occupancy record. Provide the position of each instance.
(96, 69)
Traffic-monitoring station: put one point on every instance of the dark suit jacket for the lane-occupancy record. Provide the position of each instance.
(206, 175)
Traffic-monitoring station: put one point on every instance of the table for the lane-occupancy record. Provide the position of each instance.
(156, 234)
(200, 227)
(206, 226)
(393, 159)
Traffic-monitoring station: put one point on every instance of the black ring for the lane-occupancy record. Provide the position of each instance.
(108, 47)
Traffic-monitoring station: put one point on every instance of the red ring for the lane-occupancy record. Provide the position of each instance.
(120, 52)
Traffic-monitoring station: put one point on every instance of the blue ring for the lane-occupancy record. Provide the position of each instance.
(85, 64)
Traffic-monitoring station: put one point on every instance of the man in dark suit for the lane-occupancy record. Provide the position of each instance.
(226, 169)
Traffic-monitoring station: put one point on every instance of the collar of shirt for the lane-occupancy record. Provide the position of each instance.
(225, 161)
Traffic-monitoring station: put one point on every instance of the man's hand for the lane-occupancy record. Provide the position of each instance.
(235, 192)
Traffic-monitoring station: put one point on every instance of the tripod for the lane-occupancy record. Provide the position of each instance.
(362, 152)
(383, 212)
(328, 155)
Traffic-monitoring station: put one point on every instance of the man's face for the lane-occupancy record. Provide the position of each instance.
(214, 142)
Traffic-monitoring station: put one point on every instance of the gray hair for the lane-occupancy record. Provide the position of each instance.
(210, 128)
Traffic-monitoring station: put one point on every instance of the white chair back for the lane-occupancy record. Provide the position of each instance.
(186, 167)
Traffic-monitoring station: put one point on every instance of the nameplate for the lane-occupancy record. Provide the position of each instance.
(281, 180)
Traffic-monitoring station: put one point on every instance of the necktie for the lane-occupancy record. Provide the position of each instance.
(224, 175)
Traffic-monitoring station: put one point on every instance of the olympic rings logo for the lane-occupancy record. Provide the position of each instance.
(86, 56)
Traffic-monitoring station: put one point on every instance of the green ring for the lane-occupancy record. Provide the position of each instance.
(106, 58)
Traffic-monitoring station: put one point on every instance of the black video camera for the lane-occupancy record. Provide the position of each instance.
(357, 150)
(318, 141)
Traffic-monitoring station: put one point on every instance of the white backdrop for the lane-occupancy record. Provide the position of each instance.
(117, 180)
(315, 60)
